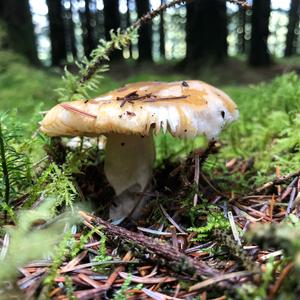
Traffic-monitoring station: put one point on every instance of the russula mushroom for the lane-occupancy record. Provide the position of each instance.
(128, 117)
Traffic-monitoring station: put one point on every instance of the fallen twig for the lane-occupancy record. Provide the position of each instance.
(176, 260)
(277, 180)
(219, 278)
(280, 280)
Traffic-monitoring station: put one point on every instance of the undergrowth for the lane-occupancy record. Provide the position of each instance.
(268, 130)
(269, 126)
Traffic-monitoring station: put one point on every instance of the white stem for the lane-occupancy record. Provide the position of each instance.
(128, 168)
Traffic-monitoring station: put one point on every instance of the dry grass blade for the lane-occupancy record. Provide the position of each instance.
(217, 279)
(234, 229)
(158, 296)
(170, 219)
(160, 233)
(93, 293)
(93, 264)
(74, 262)
(4, 247)
(90, 281)
(147, 280)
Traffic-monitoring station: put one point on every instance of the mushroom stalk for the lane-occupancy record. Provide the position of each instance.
(128, 167)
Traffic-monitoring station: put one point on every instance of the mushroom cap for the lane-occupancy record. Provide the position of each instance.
(184, 108)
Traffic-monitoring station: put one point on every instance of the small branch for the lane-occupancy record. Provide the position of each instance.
(211, 281)
(176, 260)
(91, 70)
(242, 3)
(154, 13)
(284, 274)
(96, 63)
(277, 180)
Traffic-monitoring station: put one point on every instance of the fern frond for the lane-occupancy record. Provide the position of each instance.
(15, 166)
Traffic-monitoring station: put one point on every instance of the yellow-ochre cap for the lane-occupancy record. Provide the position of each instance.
(184, 108)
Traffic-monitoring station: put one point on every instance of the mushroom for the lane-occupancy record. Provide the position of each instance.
(128, 117)
(86, 143)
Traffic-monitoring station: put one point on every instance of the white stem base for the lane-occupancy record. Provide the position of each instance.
(128, 168)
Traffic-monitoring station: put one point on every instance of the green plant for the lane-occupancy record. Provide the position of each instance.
(69, 247)
(69, 288)
(102, 253)
(122, 293)
(15, 164)
(215, 220)
(268, 125)
(57, 183)
(61, 252)
(90, 71)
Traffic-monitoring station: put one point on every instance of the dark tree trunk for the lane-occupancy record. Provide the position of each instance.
(112, 21)
(242, 31)
(89, 41)
(145, 33)
(99, 30)
(206, 31)
(259, 53)
(16, 16)
(57, 32)
(162, 49)
(291, 38)
(128, 23)
(71, 40)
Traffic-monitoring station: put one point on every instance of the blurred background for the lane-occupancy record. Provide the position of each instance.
(57, 32)
(212, 40)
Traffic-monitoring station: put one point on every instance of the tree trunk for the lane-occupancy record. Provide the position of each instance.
(16, 16)
(206, 31)
(242, 30)
(112, 21)
(128, 23)
(99, 30)
(145, 33)
(89, 41)
(259, 53)
(71, 40)
(162, 49)
(291, 37)
(57, 32)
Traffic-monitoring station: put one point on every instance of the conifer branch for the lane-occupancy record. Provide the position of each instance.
(77, 86)
(154, 13)
(134, 27)
(242, 3)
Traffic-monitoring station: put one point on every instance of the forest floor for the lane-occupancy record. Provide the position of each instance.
(222, 224)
